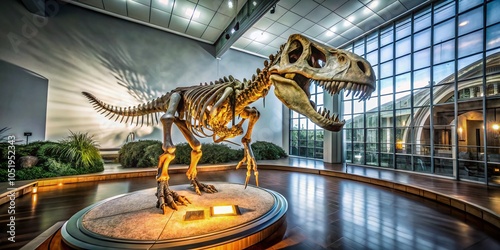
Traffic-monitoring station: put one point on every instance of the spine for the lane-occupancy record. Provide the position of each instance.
(146, 112)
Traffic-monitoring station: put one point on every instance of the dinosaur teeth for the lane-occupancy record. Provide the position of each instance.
(290, 75)
(341, 85)
(335, 87)
(349, 86)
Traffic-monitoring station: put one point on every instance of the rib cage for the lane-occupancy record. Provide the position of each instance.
(149, 110)
(197, 104)
(194, 109)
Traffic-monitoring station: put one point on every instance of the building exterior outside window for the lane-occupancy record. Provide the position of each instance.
(306, 138)
(437, 104)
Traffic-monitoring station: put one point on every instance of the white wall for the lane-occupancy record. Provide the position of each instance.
(121, 62)
(23, 102)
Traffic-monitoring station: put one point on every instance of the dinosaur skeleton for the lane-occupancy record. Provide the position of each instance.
(207, 110)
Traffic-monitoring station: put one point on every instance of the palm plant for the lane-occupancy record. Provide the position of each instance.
(3, 136)
(80, 149)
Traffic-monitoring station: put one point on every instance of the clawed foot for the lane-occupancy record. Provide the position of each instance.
(251, 165)
(169, 198)
(198, 187)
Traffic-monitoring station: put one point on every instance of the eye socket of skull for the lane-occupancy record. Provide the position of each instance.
(296, 50)
(317, 59)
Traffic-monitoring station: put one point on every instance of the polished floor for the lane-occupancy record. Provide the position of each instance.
(476, 193)
(324, 213)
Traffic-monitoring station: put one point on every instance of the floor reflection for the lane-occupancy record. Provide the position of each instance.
(324, 212)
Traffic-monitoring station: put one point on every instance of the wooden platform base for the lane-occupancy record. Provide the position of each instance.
(132, 221)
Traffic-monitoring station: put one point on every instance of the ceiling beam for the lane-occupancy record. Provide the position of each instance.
(244, 20)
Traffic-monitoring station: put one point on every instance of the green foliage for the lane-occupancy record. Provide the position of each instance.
(212, 153)
(145, 153)
(32, 173)
(77, 154)
(80, 149)
(151, 154)
(3, 155)
(3, 174)
(182, 154)
(3, 134)
(61, 169)
(267, 151)
(33, 148)
(217, 153)
(140, 154)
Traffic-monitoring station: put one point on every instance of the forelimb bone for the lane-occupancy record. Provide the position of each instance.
(252, 114)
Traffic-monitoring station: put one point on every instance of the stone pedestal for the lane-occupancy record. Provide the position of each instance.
(132, 221)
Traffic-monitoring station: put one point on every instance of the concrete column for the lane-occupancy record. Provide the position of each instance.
(332, 145)
(286, 129)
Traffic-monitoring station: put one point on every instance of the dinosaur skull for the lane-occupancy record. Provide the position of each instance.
(303, 62)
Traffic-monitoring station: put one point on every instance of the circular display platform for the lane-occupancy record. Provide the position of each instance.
(132, 221)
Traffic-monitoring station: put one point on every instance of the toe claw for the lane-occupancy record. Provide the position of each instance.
(246, 181)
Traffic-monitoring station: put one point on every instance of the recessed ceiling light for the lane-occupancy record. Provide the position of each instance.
(230, 4)
(351, 19)
(367, 10)
(163, 1)
(373, 4)
(258, 35)
(329, 33)
(191, 13)
(333, 29)
(463, 23)
(346, 23)
(254, 3)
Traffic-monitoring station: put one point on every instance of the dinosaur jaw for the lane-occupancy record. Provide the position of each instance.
(286, 90)
(293, 91)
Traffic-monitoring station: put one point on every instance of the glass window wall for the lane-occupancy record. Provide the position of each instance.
(437, 105)
(306, 138)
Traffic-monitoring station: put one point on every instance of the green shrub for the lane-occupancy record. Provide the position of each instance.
(32, 173)
(182, 154)
(80, 149)
(77, 154)
(151, 154)
(145, 153)
(32, 148)
(4, 174)
(60, 168)
(133, 154)
(211, 153)
(3, 155)
(267, 151)
(217, 153)
(48, 151)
